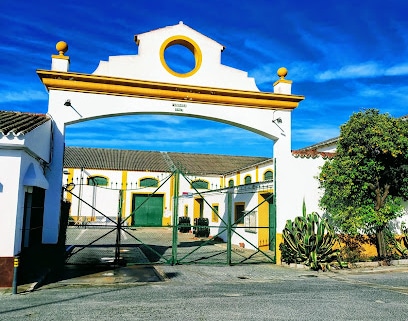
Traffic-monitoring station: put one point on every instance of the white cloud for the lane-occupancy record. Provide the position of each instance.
(24, 95)
(314, 134)
(363, 70)
(398, 70)
(297, 71)
(303, 71)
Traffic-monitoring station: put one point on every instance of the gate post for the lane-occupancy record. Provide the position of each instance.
(229, 224)
(175, 216)
(118, 230)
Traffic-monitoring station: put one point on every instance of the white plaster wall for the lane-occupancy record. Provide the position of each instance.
(97, 199)
(304, 186)
(104, 199)
(54, 175)
(253, 119)
(10, 162)
(40, 134)
(250, 200)
(12, 140)
(13, 167)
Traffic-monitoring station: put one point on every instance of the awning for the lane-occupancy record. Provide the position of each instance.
(35, 177)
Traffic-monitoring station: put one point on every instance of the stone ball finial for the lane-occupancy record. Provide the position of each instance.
(62, 47)
(282, 72)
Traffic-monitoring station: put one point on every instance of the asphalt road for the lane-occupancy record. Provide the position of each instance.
(198, 292)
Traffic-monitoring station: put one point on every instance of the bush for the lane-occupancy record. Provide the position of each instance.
(352, 247)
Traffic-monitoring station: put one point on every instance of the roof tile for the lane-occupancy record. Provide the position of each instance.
(198, 164)
(18, 123)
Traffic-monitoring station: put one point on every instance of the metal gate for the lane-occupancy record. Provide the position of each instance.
(219, 232)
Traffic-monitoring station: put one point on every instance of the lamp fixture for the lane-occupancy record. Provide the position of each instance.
(68, 104)
(277, 121)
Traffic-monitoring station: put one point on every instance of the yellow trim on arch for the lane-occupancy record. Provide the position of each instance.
(188, 43)
(69, 81)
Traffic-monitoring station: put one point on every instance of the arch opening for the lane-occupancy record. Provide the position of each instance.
(178, 133)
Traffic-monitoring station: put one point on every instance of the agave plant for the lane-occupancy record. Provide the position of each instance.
(403, 246)
(309, 239)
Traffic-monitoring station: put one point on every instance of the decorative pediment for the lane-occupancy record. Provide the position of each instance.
(150, 63)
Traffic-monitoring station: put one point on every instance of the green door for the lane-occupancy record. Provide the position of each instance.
(149, 210)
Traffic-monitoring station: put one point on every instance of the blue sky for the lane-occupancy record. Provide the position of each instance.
(343, 56)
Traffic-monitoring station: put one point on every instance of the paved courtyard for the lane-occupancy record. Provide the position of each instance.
(146, 244)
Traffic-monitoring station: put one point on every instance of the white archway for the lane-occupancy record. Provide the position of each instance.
(144, 84)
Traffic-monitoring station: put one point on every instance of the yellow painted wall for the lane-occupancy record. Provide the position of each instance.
(263, 221)
(70, 179)
(278, 255)
(124, 184)
(196, 207)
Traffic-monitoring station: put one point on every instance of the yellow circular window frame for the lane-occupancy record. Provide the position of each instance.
(187, 43)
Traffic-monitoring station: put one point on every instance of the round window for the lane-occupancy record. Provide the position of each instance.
(180, 56)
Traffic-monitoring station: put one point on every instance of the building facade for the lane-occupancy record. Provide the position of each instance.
(23, 161)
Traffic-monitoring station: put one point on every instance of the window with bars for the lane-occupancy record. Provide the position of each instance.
(97, 181)
(239, 212)
(148, 182)
(215, 213)
(199, 184)
(268, 176)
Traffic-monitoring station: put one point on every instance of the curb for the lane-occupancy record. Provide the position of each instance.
(358, 266)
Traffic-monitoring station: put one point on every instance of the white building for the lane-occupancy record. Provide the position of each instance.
(25, 141)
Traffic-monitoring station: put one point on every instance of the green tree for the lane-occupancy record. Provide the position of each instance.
(366, 181)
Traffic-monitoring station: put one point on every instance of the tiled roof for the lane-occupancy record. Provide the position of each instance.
(117, 159)
(312, 153)
(213, 164)
(18, 123)
(199, 164)
(328, 142)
